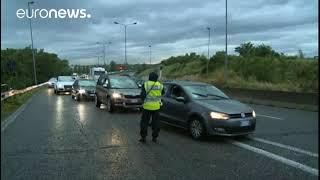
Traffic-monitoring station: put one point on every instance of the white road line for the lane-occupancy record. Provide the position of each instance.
(286, 161)
(291, 148)
(269, 116)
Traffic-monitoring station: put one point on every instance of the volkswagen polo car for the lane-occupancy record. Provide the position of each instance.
(203, 109)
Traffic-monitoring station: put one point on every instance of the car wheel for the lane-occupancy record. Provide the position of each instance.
(110, 107)
(197, 129)
(97, 102)
(57, 92)
(77, 98)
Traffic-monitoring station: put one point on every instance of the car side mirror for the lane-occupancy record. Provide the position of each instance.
(105, 85)
(180, 99)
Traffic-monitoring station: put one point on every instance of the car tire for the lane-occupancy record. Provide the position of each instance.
(197, 129)
(57, 92)
(110, 106)
(97, 102)
(77, 98)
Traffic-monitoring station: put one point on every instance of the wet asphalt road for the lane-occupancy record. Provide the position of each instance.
(58, 138)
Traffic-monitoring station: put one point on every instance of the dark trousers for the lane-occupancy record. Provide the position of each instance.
(145, 120)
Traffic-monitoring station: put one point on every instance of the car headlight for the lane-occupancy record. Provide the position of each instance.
(81, 91)
(253, 114)
(116, 95)
(216, 115)
(60, 85)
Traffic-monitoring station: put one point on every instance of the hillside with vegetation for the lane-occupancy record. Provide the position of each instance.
(256, 67)
(17, 67)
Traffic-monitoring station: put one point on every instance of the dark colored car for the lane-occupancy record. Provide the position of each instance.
(83, 89)
(139, 82)
(205, 110)
(117, 91)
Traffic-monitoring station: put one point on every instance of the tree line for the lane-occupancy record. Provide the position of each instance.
(17, 67)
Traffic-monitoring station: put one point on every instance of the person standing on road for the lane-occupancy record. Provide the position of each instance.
(151, 93)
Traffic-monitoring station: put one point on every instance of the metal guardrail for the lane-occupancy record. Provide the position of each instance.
(10, 93)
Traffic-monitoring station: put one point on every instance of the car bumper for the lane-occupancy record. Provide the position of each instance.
(64, 90)
(231, 127)
(127, 103)
(87, 95)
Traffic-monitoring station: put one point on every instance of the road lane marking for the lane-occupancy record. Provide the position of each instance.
(269, 116)
(286, 161)
(291, 148)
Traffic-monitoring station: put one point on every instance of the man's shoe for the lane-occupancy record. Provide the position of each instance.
(154, 140)
(142, 140)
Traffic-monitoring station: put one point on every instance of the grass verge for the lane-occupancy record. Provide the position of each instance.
(11, 104)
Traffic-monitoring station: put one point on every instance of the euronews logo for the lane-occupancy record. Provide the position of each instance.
(53, 13)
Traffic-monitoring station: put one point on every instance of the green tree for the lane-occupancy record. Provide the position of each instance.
(300, 54)
(113, 66)
(245, 49)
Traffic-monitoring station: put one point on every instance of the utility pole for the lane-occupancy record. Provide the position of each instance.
(104, 53)
(208, 50)
(226, 53)
(108, 52)
(33, 58)
(150, 53)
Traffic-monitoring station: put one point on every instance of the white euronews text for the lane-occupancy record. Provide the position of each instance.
(53, 13)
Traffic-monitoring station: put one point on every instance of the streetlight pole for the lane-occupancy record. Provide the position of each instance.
(104, 54)
(33, 58)
(108, 46)
(209, 29)
(226, 53)
(125, 38)
(125, 44)
(150, 53)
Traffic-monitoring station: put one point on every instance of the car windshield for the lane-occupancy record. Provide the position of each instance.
(87, 83)
(205, 92)
(65, 78)
(98, 73)
(123, 82)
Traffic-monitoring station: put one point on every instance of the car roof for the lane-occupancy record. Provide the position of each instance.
(185, 83)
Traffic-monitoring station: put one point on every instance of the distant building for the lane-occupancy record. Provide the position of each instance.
(120, 67)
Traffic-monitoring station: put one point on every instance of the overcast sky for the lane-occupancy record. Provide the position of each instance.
(172, 27)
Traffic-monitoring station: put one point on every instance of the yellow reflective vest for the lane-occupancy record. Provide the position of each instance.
(153, 98)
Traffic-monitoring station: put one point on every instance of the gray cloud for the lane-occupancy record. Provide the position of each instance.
(173, 27)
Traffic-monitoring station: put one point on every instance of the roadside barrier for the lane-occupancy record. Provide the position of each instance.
(10, 93)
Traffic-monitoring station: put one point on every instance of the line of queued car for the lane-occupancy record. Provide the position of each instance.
(198, 107)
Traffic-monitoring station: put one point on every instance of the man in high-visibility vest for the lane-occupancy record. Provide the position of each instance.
(151, 93)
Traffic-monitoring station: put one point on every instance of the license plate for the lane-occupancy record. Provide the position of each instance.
(134, 100)
(244, 123)
(91, 94)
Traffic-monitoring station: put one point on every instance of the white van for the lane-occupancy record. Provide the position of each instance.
(95, 72)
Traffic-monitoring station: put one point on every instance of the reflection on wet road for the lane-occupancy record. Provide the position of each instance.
(59, 138)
